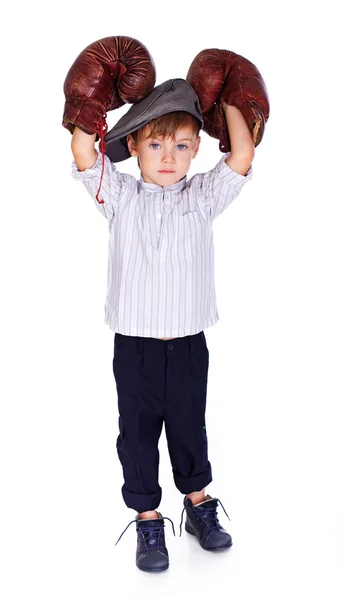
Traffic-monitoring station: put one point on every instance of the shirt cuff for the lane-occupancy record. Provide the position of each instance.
(87, 173)
(227, 174)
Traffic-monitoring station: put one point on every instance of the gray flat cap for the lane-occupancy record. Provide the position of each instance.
(170, 96)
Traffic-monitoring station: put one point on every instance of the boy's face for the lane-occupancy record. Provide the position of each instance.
(165, 161)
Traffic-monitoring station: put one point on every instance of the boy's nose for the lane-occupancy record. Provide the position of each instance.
(168, 156)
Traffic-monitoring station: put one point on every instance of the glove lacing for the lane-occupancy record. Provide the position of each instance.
(102, 148)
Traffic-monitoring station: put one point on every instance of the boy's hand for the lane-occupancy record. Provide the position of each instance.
(106, 74)
(221, 76)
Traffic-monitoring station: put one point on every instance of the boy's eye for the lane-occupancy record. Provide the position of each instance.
(181, 146)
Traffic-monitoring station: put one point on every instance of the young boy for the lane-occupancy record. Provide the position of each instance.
(161, 297)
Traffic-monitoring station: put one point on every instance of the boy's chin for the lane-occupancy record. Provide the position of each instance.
(163, 179)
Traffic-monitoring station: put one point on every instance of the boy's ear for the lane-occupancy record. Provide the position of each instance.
(131, 144)
(197, 145)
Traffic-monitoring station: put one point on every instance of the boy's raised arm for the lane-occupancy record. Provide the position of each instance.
(105, 75)
(82, 147)
(242, 145)
(234, 102)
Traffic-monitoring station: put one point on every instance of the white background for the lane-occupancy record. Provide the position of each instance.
(275, 377)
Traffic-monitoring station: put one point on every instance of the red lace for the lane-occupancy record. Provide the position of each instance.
(102, 148)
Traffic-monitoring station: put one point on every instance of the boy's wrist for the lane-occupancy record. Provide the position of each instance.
(229, 108)
(79, 134)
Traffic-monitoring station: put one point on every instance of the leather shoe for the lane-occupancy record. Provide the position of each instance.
(202, 522)
(151, 553)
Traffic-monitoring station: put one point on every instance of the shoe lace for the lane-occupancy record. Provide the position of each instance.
(147, 530)
(206, 516)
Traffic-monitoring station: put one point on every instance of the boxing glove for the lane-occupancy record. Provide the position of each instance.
(105, 75)
(219, 76)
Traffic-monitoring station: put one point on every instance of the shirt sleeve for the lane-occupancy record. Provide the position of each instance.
(217, 188)
(112, 186)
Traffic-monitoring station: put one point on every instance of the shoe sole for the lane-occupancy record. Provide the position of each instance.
(153, 570)
(204, 547)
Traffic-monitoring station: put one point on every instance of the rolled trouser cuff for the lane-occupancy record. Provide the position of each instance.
(141, 502)
(187, 485)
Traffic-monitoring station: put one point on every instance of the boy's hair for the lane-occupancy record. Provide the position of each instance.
(167, 125)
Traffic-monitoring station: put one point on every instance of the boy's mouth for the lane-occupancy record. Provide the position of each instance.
(166, 171)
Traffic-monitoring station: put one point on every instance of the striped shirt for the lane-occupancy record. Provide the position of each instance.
(160, 280)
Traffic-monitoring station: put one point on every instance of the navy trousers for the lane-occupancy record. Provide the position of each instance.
(161, 381)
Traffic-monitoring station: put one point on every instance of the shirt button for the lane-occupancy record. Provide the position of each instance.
(158, 216)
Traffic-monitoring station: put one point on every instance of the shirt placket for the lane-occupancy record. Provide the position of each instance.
(163, 210)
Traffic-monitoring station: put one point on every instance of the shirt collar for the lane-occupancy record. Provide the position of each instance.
(153, 187)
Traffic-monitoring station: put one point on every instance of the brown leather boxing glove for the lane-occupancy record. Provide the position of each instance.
(104, 76)
(221, 75)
